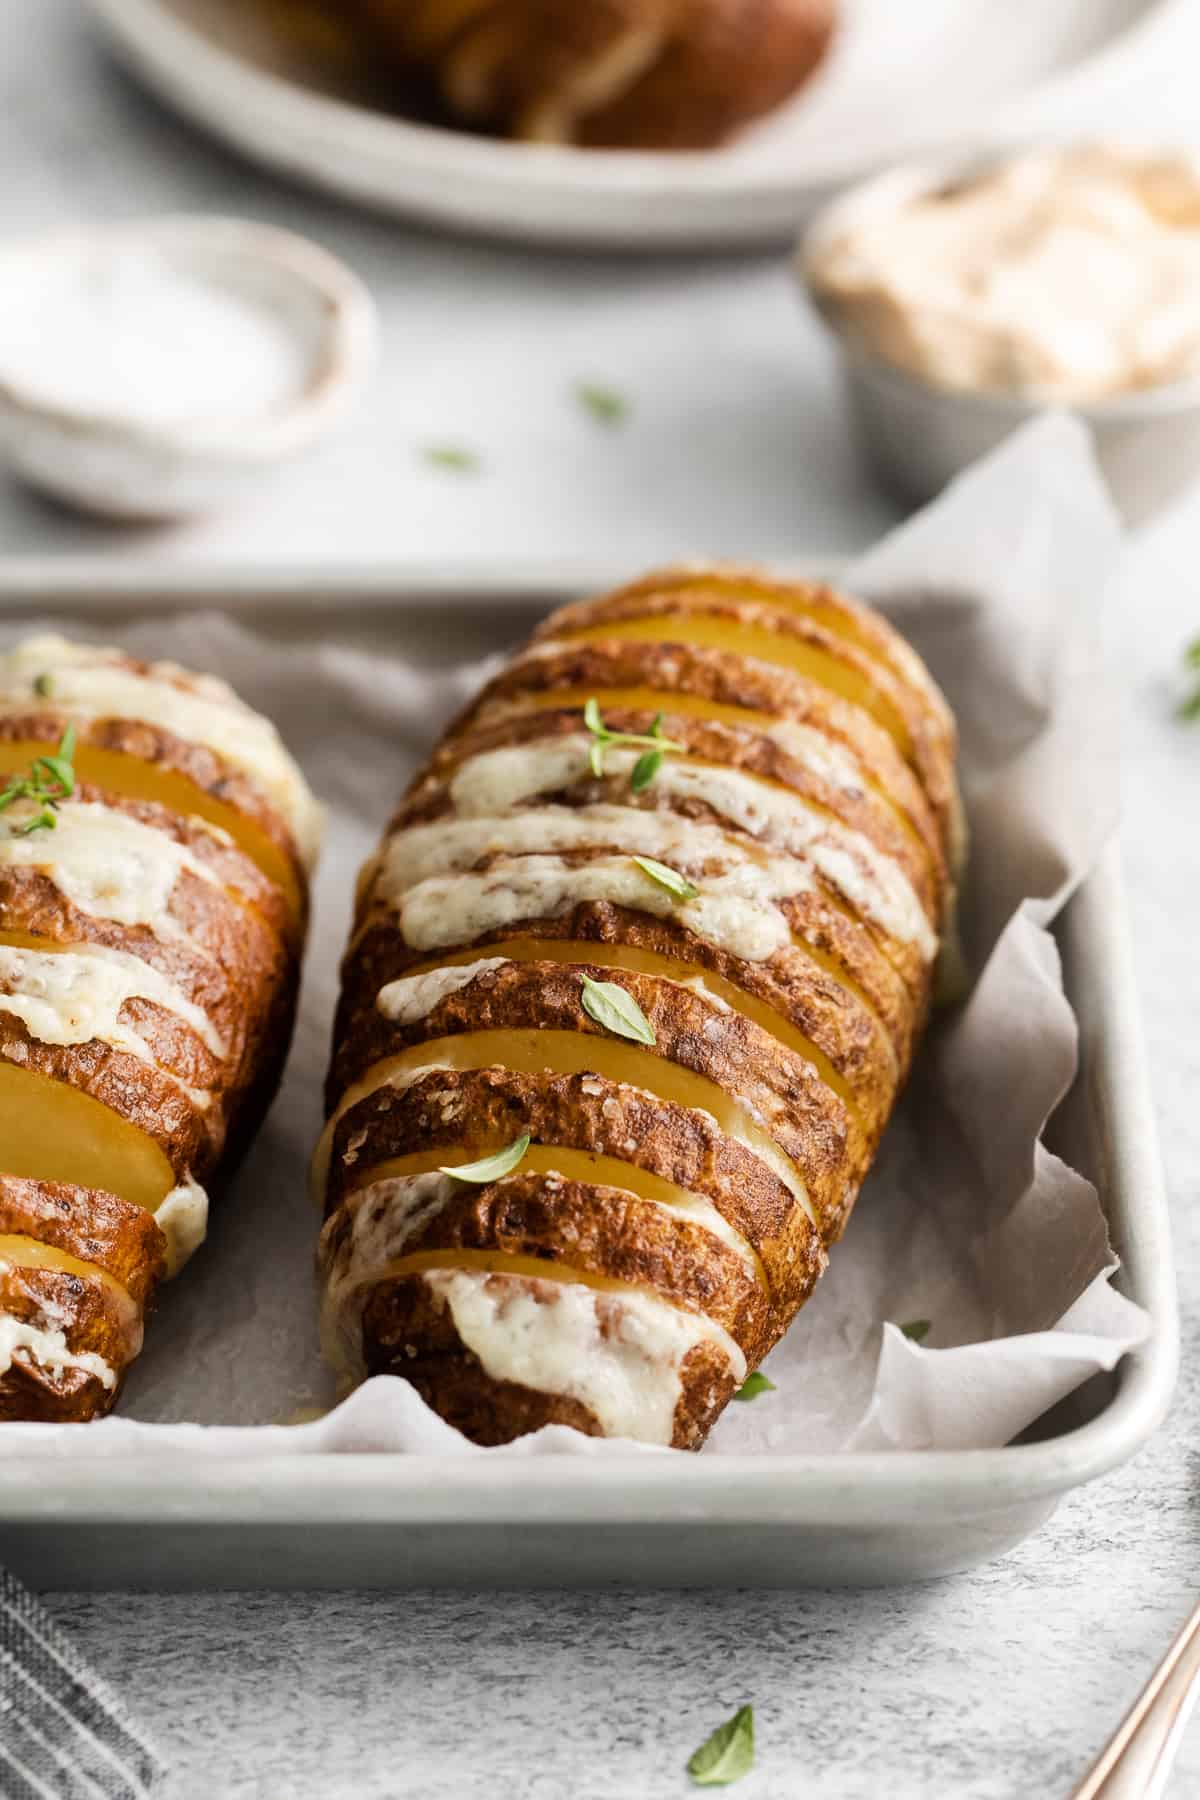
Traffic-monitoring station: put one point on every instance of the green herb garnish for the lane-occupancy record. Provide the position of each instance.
(490, 1168)
(43, 686)
(728, 1754)
(668, 878)
(605, 404)
(454, 457)
(917, 1329)
(654, 745)
(615, 1008)
(754, 1385)
(48, 781)
(1189, 708)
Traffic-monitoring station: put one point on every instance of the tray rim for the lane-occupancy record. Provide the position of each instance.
(545, 193)
(796, 1490)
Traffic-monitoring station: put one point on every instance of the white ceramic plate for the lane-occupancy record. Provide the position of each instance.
(902, 79)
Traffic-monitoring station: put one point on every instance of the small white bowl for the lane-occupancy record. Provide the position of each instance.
(916, 435)
(119, 465)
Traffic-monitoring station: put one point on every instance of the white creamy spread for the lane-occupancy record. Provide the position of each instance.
(619, 1354)
(182, 1217)
(92, 683)
(873, 882)
(1070, 273)
(73, 996)
(105, 863)
(144, 335)
(47, 1346)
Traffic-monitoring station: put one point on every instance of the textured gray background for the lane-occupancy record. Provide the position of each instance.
(994, 1686)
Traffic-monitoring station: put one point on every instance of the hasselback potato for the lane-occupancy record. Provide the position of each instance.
(155, 841)
(649, 74)
(634, 980)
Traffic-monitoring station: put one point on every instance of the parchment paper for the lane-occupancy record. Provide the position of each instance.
(967, 1221)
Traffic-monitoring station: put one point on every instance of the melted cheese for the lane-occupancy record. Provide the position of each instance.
(414, 997)
(73, 996)
(620, 1355)
(105, 863)
(845, 768)
(457, 909)
(46, 1345)
(873, 882)
(91, 683)
(124, 773)
(182, 1217)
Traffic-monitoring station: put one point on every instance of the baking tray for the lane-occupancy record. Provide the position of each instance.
(375, 1521)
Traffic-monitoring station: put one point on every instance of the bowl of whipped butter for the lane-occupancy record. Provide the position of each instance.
(967, 297)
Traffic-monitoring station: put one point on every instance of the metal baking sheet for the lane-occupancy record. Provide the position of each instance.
(363, 1521)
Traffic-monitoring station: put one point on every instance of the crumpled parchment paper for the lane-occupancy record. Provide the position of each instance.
(967, 1221)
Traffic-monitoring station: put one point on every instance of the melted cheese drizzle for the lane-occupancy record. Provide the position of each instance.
(414, 997)
(620, 1355)
(821, 756)
(47, 1346)
(73, 996)
(499, 780)
(182, 1217)
(91, 683)
(106, 864)
(426, 875)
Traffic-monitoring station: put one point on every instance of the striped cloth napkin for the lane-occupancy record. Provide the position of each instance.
(64, 1735)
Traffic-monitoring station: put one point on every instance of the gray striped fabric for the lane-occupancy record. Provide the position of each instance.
(63, 1733)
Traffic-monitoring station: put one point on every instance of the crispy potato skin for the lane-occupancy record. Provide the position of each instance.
(228, 941)
(611, 1233)
(127, 1085)
(485, 1109)
(89, 1224)
(811, 1044)
(777, 1086)
(705, 674)
(225, 952)
(863, 947)
(826, 1012)
(826, 604)
(407, 1330)
(728, 63)
(176, 756)
(93, 1320)
(110, 1235)
(706, 741)
(612, 74)
(932, 739)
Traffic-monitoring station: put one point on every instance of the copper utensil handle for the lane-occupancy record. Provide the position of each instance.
(1137, 1761)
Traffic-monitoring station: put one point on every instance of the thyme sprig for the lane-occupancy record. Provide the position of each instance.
(1189, 707)
(653, 745)
(47, 782)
